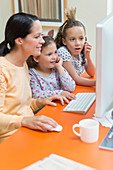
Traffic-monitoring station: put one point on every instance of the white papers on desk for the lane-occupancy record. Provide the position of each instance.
(105, 120)
(108, 116)
(56, 162)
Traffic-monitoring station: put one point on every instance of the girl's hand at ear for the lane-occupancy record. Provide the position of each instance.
(88, 48)
(59, 62)
(89, 66)
(68, 95)
(58, 65)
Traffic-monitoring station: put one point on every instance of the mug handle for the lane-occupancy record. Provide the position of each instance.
(76, 133)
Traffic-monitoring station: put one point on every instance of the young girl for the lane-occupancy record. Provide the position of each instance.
(23, 37)
(48, 77)
(75, 50)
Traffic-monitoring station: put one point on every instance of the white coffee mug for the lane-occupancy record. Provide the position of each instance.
(89, 130)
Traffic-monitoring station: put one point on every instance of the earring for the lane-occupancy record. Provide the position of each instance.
(8, 46)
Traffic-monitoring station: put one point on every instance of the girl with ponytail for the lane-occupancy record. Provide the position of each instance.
(75, 50)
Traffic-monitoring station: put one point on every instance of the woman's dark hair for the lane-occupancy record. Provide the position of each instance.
(18, 25)
(62, 33)
(30, 61)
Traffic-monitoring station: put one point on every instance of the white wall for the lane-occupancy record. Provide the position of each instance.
(5, 12)
(89, 12)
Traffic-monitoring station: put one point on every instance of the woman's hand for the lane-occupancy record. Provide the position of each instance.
(38, 123)
(68, 95)
(62, 99)
(49, 100)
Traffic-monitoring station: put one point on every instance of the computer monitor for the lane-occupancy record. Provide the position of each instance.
(104, 65)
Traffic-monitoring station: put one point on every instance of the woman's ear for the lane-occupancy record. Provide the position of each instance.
(63, 41)
(35, 59)
(19, 41)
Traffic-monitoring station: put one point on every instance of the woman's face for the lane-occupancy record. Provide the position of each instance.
(33, 42)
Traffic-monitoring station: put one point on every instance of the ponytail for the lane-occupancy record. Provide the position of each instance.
(4, 49)
(18, 25)
(60, 35)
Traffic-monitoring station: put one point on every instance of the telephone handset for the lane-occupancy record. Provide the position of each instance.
(83, 55)
(83, 47)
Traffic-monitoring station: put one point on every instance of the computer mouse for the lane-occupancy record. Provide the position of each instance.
(57, 129)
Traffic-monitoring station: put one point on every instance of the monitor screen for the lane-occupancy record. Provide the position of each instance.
(104, 65)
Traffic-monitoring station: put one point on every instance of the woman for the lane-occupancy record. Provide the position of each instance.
(23, 37)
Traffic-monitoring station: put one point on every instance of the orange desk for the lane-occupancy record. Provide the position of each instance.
(28, 146)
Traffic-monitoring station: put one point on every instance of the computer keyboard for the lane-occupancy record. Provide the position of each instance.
(81, 104)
